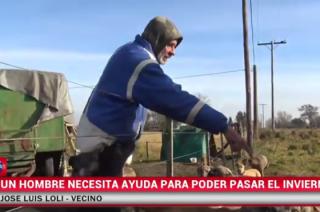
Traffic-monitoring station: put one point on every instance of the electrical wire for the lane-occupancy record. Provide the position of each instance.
(92, 87)
(13, 66)
(19, 67)
(209, 74)
(252, 34)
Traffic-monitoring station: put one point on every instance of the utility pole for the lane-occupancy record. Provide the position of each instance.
(262, 122)
(169, 140)
(272, 43)
(255, 103)
(247, 72)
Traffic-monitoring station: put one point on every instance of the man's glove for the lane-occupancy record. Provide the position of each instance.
(236, 142)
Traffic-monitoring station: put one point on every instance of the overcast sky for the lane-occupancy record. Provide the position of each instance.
(76, 37)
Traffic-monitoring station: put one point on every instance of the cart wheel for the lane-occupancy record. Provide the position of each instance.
(49, 167)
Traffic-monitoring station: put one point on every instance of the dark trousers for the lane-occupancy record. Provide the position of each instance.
(106, 161)
(114, 157)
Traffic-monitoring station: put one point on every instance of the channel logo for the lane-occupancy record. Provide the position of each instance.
(3, 167)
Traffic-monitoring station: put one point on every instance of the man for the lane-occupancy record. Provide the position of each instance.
(132, 81)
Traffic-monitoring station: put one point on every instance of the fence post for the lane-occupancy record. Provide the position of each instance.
(147, 149)
(169, 132)
(222, 149)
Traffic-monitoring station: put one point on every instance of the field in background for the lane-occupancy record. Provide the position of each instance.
(146, 159)
(291, 152)
(148, 147)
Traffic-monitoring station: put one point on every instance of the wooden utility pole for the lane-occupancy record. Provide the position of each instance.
(272, 43)
(255, 103)
(262, 121)
(169, 140)
(247, 72)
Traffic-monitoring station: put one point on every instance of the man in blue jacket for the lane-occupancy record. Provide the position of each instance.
(132, 81)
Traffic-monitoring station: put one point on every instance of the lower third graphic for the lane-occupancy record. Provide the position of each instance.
(3, 166)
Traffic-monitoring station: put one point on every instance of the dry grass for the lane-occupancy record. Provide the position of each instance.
(291, 152)
(148, 147)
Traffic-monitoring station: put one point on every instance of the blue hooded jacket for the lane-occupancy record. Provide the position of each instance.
(132, 81)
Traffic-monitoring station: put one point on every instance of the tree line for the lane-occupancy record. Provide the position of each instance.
(309, 118)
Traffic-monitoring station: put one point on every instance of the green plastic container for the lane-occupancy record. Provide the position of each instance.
(188, 142)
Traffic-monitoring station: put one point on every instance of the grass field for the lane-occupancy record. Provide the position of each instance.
(148, 147)
(291, 152)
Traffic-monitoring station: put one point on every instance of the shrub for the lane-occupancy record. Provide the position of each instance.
(304, 135)
(280, 135)
(305, 146)
(315, 142)
(309, 148)
(266, 135)
(313, 133)
(292, 147)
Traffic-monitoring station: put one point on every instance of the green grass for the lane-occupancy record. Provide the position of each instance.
(290, 152)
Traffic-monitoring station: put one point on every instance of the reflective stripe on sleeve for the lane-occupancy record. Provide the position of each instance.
(195, 110)
(135, 76)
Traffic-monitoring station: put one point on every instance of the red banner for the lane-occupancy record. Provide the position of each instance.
(161, 184)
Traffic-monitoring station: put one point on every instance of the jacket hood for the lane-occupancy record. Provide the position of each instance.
(160, 31)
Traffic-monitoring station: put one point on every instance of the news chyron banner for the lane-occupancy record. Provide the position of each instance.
(3, 166)
(160, 191)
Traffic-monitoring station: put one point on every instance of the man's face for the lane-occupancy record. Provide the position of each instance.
(168, 51)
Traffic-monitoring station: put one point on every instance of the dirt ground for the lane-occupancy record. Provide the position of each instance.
(152, 169)
(180, 169)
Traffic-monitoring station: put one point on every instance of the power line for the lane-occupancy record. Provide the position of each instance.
(19, 67)
(80, 85)
(208, 74)
(252, 34)
(76, 87)
(180, 77)
(258, 19)
(14, 66)
(92, 86)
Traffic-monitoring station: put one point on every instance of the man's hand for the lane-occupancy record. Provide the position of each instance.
(236, 142)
